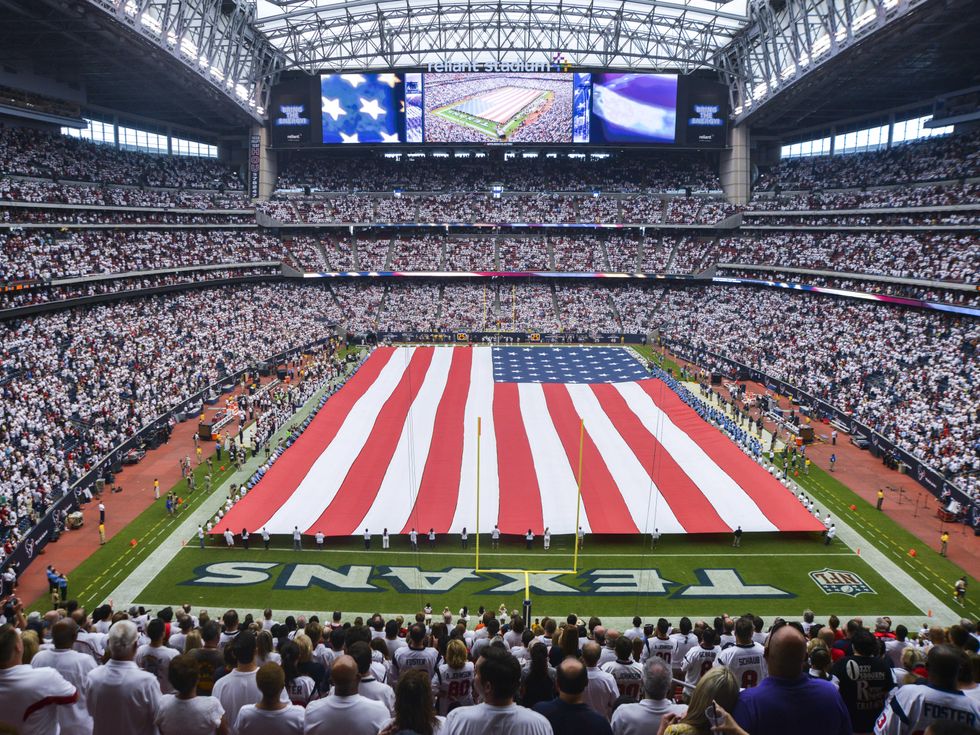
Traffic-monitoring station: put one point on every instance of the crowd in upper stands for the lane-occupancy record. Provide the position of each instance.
(637, 172)
(29, 152)
(513, 207)
(935, 159)
(174, 672)
(46, 254)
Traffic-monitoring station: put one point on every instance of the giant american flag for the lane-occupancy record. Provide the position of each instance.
(396, 448)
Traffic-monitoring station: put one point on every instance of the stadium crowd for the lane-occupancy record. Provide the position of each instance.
(48, 255)
(637, 171)
(76, 383)
(182, 671)
(36, 153)
(935, 159)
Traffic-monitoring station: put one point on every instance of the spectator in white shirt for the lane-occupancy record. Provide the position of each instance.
(345, 712)
(270, 716)
(644, 716)
(185, 713)
(602, 692)
(120, 697)
(73, 667)
(155, 657)
(369, 685)
(237, 688)
(498, 676)
(31, 698)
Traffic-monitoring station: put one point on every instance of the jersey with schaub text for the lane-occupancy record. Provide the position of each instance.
(746, 662)
(628, 676)
(916, 706)
(697, 662)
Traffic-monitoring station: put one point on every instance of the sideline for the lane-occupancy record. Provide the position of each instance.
(186, 532)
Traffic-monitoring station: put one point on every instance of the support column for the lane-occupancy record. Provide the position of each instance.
(735, 167)
(268, 163)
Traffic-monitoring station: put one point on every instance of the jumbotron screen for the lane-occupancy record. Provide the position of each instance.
(498, 107)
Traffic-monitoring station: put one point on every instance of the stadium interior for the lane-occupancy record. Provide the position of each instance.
(638, 274)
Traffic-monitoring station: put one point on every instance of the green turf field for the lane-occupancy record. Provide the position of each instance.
(617, 577)
(769, 574)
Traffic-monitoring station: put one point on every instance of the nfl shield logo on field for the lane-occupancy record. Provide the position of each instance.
(840, 581)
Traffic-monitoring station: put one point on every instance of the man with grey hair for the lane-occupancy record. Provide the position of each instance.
(608, 653)
(120, 696)
(644, 717)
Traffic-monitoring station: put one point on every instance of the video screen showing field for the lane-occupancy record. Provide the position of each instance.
(498, 107)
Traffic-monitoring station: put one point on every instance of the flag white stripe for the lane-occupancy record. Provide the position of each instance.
(327, 474)
(556, 481)
(396, 497)
(732, 503)
(479, 403)
(648, 511)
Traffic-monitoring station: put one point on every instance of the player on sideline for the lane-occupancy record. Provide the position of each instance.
(413, 539)
(529, 538)
(495, 538)
(464, 538)
(581, 538)
(547, 539)
(319, 540)
(432, 539)
(385, 541)
(367, 540)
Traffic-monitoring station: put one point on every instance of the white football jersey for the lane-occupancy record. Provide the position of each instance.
(697, 662)
(628, 676)
(409, 658)
(747, 662)
(453, 687)
(682, 644)
(916, 706)
(662, 648)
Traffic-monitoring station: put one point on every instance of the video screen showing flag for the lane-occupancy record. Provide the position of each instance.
(396, 448)
(362, 108)
(498, 107)
(633, 108)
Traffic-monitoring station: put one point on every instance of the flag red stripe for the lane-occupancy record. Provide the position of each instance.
(688, 504)
(362, 482)
(435, 504)
(766, 491)
(520, 495)
(604, 504)
(282, 479)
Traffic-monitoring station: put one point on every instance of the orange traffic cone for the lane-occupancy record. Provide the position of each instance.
(132, 542)
(912, 553)
(859, 551)
(854, 507)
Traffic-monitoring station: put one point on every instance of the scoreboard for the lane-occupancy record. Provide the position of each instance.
(534, 105)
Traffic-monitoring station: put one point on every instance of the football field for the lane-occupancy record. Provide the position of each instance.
(156, 561)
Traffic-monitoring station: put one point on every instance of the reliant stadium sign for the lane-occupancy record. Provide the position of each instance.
(559, 64)
(711, 583)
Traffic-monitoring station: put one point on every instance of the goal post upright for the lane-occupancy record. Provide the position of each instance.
(478, 434)
(578, 496)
